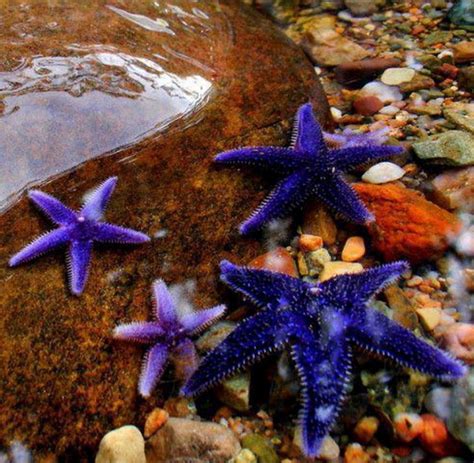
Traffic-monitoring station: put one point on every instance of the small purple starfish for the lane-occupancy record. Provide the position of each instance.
(310, 170)
(321, 324)
(169, 337)
(79, 230)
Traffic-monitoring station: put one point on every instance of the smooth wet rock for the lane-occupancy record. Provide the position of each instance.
(454, 189)
(235, 392)
(150, 93)
(397, 76)
(454, 147)
(385, 93)
(277, 260)
(407, 225)
(318, 221)
(123, 445)
(186, 439)
(461, 114)
(463, 52)
(367, 105)
(261, 447)
(334, 268)
(466, 78)
(383, 172)
(361, 71)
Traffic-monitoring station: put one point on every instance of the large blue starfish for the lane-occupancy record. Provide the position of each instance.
(309, 169)
(78, 230)
(168, 336)
(321, 324)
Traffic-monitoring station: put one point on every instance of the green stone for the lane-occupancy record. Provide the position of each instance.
(437, 37)
(235, 392)
(454, 147)
(261, 447)
(462, 117)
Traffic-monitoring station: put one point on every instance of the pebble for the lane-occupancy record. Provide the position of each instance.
(354, 453)
(317, 259)
(383, 172)
(437, 402)
(318, 221)
(430, 317)
(329, 450)
(435, 439)
(402, 306)
(155, 420)
(261, 447)
(418, 82)
(245, 456)
(396, 76)
(389, 110)
(454, 147)
(361, 71)
(354, 249)
(334, 268)
(454, 189)
(361, 7)
(466, 78)
(235, 392)
(366, 428)
(122, 445)
(461, 114)
(367, 105)
(308, 243)
(278, 260)
(181, 439)
(459, 340)
(408, 426)
(463, 52)
(385, 93)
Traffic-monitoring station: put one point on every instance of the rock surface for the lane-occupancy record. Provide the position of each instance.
(407, 225)
(64, 383)
(183, 440)
(355, 72)
(123, 445)
(454, 147)
(454, 189)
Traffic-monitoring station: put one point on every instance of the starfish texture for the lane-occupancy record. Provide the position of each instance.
(77, 230)
(321, 324)
(309, 169)
(168, 337)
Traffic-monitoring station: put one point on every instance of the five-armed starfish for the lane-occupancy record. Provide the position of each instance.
(168, 337)
(79, 230)
(321, 324)
(309, 169)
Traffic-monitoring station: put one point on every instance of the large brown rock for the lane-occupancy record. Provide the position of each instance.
(159, 89)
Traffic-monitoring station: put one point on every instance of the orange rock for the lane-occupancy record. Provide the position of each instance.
(356, 454)
(309, 243)
(354, 249)
(318, 221)
(407, 225)
(155, 420)
(408, 426)
(366, 428)
(459, 340)
(278, 260)
(367, 105)
(435, 438)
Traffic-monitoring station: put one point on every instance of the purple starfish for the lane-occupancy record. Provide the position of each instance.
(321, 324)
(78, 230)
(168, 337)
(348, 138)
(309, 169)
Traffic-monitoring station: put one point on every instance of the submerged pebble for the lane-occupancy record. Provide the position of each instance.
(383, 172)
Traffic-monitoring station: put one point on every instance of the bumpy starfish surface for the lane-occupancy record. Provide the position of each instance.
(77, 230)
(309, 169)
(168, 337)
(321, 324)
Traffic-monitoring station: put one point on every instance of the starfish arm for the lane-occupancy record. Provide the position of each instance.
(346, 159)
(139, 332)
(259, 335)
(185, 359)
(287, 196)
(264, 288)
(108, 233)
(342, 200)
(165, 310)
(324, 371)
(153, 366)
(53, 208)
(95, 204)
(307, 134)
(41, 245)
(349, 138)
(198, 321)
(344, 290)
(271, 158)
(376, 333)
(79, 257)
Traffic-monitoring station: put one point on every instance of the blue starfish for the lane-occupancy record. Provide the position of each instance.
(309, 169)
(321, 324)
(168, 337)
(78, 230)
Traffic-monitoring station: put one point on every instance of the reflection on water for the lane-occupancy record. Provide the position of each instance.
(87, 100)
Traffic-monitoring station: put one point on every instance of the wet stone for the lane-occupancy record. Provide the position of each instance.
(148, 93)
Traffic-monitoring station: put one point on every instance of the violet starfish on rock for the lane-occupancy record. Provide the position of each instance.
(167, 336)
(77, 230)
(321, 324)
(309, 170)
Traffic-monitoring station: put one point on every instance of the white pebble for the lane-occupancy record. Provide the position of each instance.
(396, 76)
(336, 113)
(389, 110)
(385, 93)
(120, 445)
(383, 172)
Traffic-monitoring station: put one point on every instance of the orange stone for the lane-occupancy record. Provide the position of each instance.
(435, 438)
(366, 428)
(407, 225)
(408, 426)
(459, 340)
(356, 454)
(155, 420)
(278, 260)
(318, 221)
(354, 249)
(308, 243)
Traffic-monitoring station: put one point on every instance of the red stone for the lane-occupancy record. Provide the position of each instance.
(367, 105)
(407, 225)
(278, 260)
